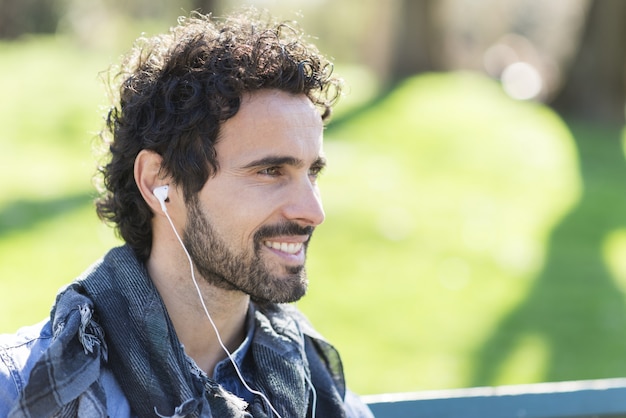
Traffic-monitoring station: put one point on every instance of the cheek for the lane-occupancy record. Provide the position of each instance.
(238, 210)
(237, 222)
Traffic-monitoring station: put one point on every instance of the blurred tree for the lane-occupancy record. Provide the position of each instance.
(595, 88)
(18, 17)
(205, 6)
(415, 39)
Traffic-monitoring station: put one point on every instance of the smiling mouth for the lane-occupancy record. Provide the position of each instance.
(286, 247)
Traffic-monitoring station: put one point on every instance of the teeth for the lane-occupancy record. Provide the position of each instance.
(286, 247)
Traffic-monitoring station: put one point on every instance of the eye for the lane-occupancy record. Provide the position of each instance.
(273, 171)
(315, 171)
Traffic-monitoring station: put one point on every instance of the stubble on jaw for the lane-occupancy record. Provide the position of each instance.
(244, 271)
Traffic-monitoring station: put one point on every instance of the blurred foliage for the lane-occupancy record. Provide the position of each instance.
(533, 48)
(19, 17)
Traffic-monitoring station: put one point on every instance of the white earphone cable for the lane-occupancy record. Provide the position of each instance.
(219, 338)
(314, 395)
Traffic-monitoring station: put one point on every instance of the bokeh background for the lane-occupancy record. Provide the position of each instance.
(475, 198)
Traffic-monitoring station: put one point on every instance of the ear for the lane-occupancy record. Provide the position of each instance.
(148, 177)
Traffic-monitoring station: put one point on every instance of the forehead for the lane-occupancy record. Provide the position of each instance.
(271, 122)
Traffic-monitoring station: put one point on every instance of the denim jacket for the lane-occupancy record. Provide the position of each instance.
(19, 352)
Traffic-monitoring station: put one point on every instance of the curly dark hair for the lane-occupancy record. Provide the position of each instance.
(178, 88)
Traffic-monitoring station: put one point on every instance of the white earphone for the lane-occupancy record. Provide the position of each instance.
(161, 194)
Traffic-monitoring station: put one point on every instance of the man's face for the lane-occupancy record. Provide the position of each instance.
(251, 223)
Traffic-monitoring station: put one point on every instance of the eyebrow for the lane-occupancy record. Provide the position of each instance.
(277, 160)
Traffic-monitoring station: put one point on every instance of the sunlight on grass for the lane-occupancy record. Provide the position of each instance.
(440, 202)
(614, 253)
(52, 118)
(38, 261)
(527, 363)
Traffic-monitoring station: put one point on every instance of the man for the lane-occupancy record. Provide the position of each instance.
(216, 146)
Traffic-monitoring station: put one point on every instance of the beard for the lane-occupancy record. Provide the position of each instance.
(244, 270)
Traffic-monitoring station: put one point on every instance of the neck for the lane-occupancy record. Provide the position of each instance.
(226, 308)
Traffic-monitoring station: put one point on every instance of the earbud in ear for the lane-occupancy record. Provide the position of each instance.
(161, 194)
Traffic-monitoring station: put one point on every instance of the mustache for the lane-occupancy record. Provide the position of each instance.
(282, 229)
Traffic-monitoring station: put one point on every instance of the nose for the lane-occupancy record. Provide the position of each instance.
(305, 204)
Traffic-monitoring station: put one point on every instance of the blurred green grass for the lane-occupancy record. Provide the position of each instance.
(470, 239)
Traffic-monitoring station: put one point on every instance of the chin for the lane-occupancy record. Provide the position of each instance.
(282, 290)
